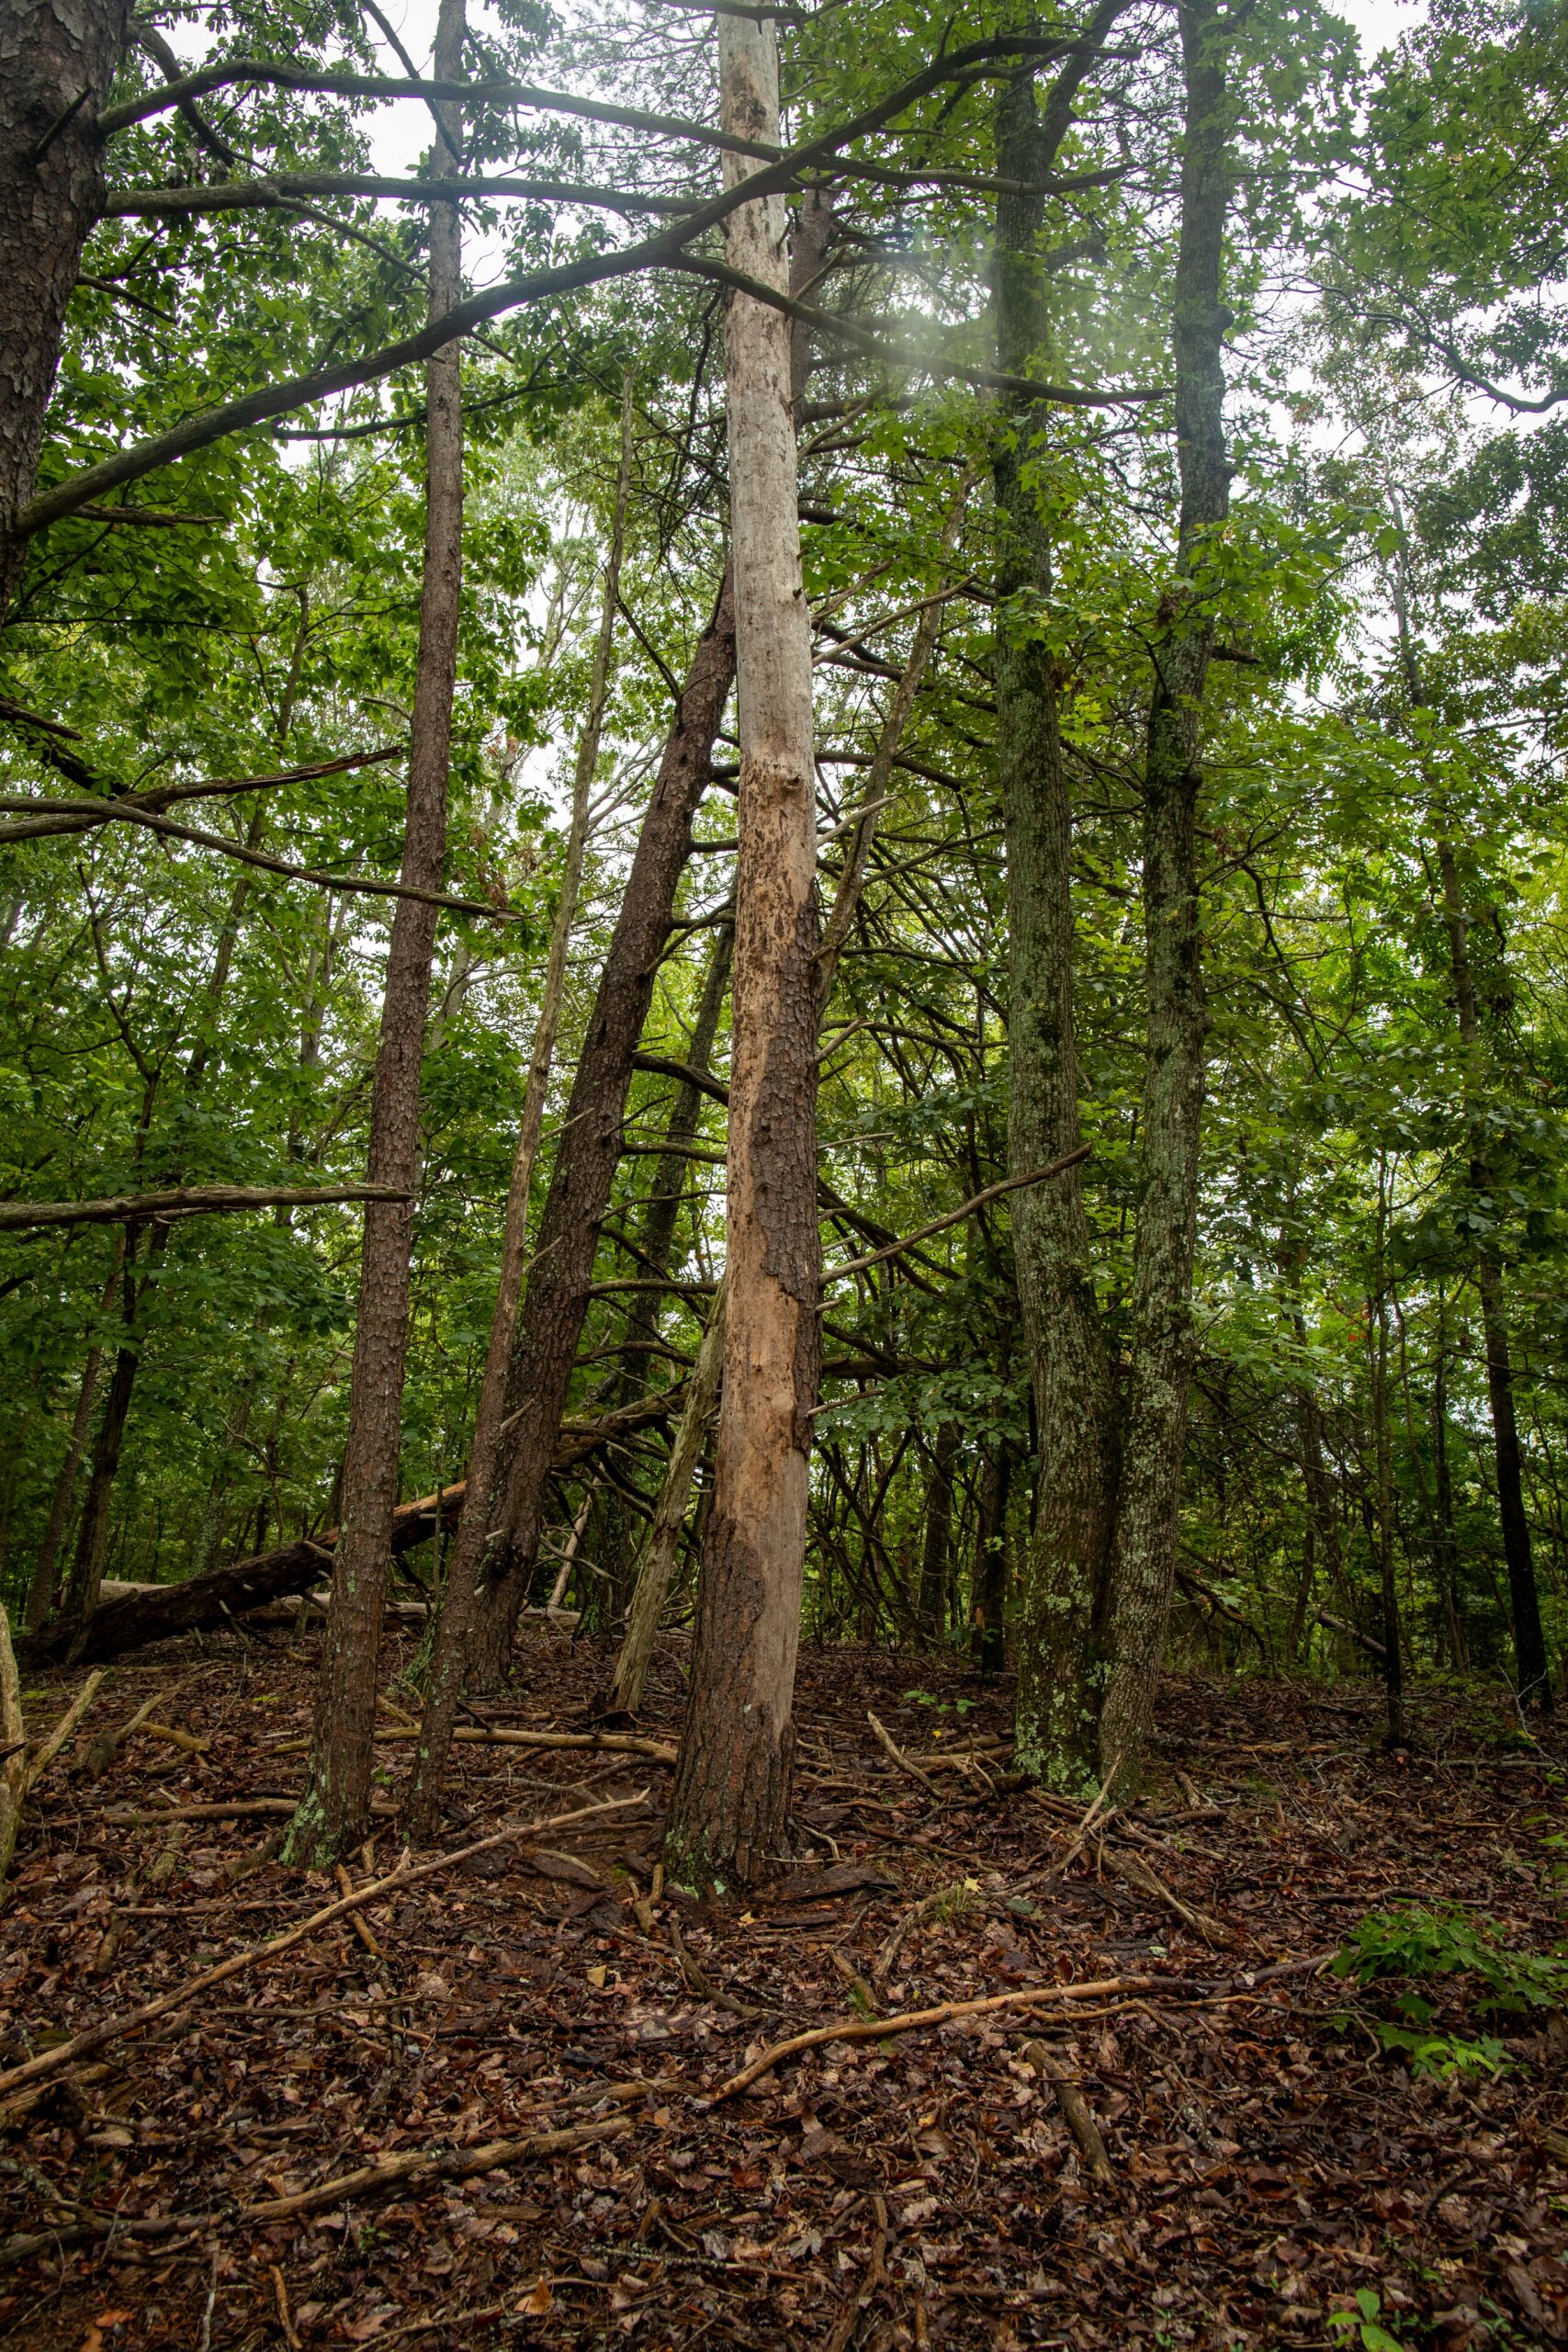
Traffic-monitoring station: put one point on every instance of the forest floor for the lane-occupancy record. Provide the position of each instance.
(1269, 2159)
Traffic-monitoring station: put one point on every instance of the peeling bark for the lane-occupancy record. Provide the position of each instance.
(730, 1802)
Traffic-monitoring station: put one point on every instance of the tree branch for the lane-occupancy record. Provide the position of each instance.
(193, 1200)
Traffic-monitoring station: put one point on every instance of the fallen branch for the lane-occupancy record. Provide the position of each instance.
(80, 2045)
(418, 2171)
(194, 1200)
(1137, 1872)
(50, 1747)
(1074, 2106)
(621, 1743)
(160, 1612)
(905, 1763)
(914, 2021)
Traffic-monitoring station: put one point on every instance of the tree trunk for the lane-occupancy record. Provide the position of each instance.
(729, 1805)
(989, 1606)
(657, 1568)
(1063, 1584)
(56, 65)
(41, 1589)
(1144, 1562)
(544, 1349)
(656, 1239)
(92, 1535)
(423, 1810)
(938, 1534)
(1443, 1505)
(336, 1805)
(1382, 1477)
(1532, 1669)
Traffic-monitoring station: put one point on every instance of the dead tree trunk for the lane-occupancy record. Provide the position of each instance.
(1155, 1433)
(544, 1349)
(729, 1805)
(453, 1633)
(57, 63)
(335, 1804)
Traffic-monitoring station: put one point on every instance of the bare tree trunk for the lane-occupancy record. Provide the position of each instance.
(729, 1805)
(1063, 1584)
(657, 1565)
(938, 1541)
(57, 62)
(454, 1631)
(92, 1535)
(1154, 1441)
(657, 1240)
(1382, 1472)
(989, 1589)
(40, 1591)
(544, 1349)
(657, 1568)
(1531, 1664)
(335, 1804)
(1443, 1503)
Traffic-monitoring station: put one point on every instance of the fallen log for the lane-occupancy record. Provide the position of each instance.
(158, 1613)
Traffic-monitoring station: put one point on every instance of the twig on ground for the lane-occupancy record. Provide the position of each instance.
(57, 1738)
(54, 2062)
(917, 2020)
(1074, 2106)
(418, 2170)
(905, 1763)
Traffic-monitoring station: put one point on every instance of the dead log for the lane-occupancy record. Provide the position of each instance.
(159, 1612)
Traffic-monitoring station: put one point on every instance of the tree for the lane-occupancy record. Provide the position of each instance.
(730, 1800)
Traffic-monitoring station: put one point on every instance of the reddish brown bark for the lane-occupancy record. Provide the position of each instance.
(57, 61)
(335, 1804)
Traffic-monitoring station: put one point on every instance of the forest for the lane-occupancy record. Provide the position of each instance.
(783, 1195)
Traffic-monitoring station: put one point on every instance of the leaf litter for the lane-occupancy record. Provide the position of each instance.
(485, 2108)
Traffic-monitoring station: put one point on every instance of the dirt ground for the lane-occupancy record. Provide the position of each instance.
(1267, 2158)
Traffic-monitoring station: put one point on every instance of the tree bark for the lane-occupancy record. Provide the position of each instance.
(453, 1632)
(657, 1568)
(729, 1805)
(1063, 1592)
(335, 1804)
(938, 1541)
(1383, 1473)
(41, 1588)
(1154, 1441)
(92, 1535)
(1532, 1669)
(544, 1349)
(57, 62)
(988, 1607)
